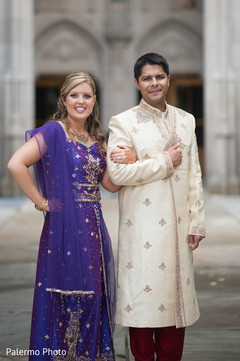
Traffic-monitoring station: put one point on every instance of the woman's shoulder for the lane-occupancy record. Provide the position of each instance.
(48, 131)
(52, 124)
(51, 128)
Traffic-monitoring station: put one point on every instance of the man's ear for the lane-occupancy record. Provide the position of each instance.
(169, 79)
(136, 83)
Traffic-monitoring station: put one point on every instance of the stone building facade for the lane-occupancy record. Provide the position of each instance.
(42, 41)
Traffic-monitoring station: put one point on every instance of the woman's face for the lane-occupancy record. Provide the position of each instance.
(80, 102)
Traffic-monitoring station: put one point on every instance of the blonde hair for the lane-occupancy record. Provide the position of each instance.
(92, 123)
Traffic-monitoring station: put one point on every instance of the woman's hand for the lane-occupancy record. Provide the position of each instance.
(122, 155)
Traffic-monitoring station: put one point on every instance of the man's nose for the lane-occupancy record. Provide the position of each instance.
(154, 81)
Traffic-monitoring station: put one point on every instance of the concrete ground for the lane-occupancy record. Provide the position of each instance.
(215, 337)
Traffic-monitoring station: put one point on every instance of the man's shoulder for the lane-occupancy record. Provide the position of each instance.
(126, 114)
(180, 112)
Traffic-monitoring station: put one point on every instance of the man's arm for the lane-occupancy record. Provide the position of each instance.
(197, 229)
(150, 170)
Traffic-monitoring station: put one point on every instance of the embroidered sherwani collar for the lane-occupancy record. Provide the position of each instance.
(150, 112)
(167, 126)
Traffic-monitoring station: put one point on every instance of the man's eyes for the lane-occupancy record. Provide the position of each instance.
(149, 78)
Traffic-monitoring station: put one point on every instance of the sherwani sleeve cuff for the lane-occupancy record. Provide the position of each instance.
(169, 163)
(198, 231)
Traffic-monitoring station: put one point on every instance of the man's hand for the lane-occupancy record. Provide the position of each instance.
(193, 241)
(175, 153)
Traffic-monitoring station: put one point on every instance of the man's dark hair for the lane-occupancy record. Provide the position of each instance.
(152, 59)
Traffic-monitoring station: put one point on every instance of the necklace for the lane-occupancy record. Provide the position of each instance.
(80, 137)
(77, 137)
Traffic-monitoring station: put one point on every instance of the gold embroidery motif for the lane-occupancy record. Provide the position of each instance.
(146, 157)
(166, 125)
(168, 160)
(147, 245)
(181, 112)
(180, 312)
(162, 222)
(129, 265)
(162, 266)
(147, 202)
(188, 282)
(147, 289)
(162, 308)
(177, 178)
(128, 308)
(199, 231)
(183, 126)
(86, 192)
(135, 130)
(70, 292)
(129, 223)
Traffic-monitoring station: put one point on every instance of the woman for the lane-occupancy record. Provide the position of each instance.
(74, 296)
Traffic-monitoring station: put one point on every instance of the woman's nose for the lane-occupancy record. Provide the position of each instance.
(80, 99)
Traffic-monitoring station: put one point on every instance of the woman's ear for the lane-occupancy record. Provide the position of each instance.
(62, 99)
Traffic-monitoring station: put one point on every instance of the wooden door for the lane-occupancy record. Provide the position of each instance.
(186, 92)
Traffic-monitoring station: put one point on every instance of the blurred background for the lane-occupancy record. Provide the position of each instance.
(42, 41)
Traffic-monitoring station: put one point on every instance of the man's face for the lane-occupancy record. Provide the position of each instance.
(153, 84)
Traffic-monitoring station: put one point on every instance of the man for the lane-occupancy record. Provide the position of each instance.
(161, 216)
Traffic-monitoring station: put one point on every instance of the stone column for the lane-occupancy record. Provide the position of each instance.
(16, 86)
(220, 84)
(118, 64)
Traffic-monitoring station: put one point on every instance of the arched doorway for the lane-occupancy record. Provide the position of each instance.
(47, 93)
(46, 96)
(186, 92)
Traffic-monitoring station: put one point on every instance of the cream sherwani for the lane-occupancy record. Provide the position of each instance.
(159, 207)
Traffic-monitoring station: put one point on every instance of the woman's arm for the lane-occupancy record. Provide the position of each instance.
(108, 184)
(18, 165)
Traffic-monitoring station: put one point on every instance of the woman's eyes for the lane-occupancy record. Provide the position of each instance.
(86, 96)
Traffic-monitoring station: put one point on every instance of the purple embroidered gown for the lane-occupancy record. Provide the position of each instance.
(74, 296)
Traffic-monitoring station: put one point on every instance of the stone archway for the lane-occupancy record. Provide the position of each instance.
(179, 43)
(64, 46)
